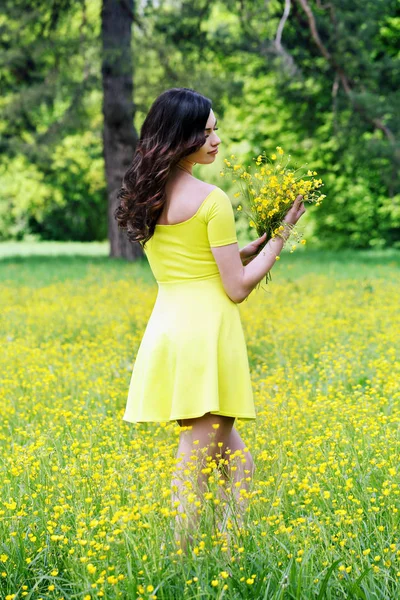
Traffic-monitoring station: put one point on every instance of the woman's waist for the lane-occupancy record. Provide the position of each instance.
(206, 291)
(182, 280)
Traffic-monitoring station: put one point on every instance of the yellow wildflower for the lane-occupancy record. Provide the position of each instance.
(224, 574)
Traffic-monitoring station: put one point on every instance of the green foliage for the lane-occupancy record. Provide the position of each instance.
(51, 169)
(77, 168)
(23, 195)
(68, 202)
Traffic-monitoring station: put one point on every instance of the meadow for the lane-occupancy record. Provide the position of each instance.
(85, 497)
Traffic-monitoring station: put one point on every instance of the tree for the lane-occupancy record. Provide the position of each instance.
(119, 135)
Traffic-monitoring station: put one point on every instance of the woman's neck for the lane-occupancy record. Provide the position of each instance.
(185, 165)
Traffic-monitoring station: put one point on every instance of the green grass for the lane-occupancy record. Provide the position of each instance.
(41, 263)
(85, 496)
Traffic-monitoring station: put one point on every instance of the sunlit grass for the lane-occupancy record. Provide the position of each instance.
(85, 497)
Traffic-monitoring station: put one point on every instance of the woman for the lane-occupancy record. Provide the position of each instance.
(192, 364)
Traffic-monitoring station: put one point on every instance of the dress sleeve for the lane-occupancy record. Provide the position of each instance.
(220, 219)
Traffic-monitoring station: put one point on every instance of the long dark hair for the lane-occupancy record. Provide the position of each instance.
(173, 128)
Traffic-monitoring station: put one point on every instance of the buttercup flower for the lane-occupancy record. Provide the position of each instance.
(270, 190)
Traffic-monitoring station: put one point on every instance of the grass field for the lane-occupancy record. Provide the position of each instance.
(85, 497)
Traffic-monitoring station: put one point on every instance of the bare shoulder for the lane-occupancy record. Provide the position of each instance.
(184, 198)
(189, 191)
(189, 186)
(201, 189)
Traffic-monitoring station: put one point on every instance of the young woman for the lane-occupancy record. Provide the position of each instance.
(192, 364)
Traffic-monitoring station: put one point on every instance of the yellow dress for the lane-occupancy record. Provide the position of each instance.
(192, 358)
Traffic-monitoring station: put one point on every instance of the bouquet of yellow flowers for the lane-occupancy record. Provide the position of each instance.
(270, 191)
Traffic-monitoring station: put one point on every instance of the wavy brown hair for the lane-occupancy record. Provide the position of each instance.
(173, 128)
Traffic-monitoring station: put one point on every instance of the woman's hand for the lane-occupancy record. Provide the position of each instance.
(247, 253)
(296, 211)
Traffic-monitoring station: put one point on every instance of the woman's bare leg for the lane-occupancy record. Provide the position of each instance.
(241, 469)
(198, 439)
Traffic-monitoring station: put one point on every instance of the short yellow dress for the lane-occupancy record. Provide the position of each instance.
(192, 358)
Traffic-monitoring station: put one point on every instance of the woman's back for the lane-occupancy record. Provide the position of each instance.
(182, 250)
(184, 195)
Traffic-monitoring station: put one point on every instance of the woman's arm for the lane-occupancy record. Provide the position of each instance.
(249, 252)
(238, 280)
(246, 259)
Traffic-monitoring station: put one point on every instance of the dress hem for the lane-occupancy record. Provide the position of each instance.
(248, 417)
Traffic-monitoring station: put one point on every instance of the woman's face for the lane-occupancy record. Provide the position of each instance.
(207, 154)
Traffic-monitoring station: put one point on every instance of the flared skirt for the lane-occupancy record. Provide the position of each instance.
(192, 358)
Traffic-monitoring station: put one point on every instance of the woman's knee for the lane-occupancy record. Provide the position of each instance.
(210, 432)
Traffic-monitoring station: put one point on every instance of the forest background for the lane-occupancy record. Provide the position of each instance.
(318, 79)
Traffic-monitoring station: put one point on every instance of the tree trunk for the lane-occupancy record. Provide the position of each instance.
(119, 135)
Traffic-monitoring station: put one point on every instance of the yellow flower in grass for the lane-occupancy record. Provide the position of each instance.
(280, 151)
(273, 156)
(224, 574)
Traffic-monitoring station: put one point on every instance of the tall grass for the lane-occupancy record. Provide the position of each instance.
(85, 497)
